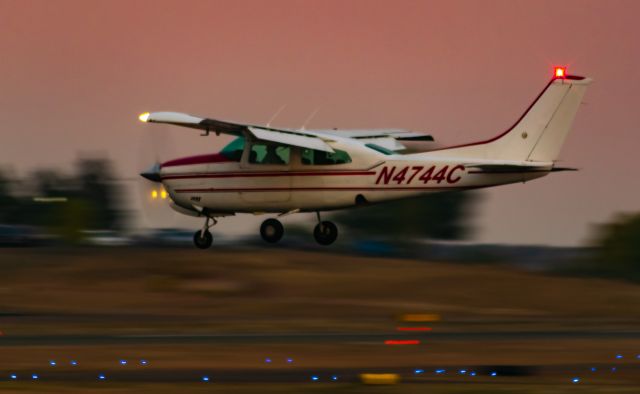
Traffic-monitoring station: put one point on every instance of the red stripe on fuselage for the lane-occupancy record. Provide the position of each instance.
(267, 174)
(309, 189)
(199, 159)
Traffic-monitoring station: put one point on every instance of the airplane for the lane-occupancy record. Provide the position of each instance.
(285, 171)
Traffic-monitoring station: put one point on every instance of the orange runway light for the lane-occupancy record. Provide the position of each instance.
(402, 342)
(420, 317)
(560, 72)
(413, 328)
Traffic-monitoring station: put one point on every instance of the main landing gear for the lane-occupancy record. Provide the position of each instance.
(203, 238)
(271, 230)
(325, 232)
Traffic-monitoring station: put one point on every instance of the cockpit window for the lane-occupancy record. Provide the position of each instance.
(317, 157)
(233, 150)
(269, 154)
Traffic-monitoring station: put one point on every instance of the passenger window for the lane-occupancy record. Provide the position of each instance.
(318, 157)
(269, 154)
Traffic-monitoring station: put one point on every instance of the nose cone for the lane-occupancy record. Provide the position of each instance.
(152, 173)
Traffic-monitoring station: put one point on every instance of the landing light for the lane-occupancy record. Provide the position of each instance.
(144, 117)
(560, 72)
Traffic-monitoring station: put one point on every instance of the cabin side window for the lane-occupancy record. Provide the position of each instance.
(321, 158)
(269, 154)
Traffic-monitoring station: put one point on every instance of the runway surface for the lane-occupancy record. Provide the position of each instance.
(317, 337)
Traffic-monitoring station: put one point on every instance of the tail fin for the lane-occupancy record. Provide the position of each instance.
(539, 133)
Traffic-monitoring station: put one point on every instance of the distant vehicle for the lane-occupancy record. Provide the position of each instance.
(286, 171)
(165, 237)
(105, 238)
(13, 235)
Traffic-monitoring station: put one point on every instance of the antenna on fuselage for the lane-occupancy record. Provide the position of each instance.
(309, 118)
(276, 114)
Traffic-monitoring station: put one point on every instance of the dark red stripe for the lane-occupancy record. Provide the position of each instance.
(510, 128)
(280, 189)
(199, 159)
(267, 174)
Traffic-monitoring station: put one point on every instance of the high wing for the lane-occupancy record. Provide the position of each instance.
(386, 138)
(283, 136)
(311, 139)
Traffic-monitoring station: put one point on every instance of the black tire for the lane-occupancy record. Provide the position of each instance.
(325, 233)
(271, 230)
(202, 241)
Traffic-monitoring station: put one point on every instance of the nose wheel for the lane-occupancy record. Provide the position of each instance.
(271, 230)
(203, 238)
(325, 232)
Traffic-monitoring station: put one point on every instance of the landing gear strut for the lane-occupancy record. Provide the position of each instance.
(325, 232)
(271, 230)
(203, 238)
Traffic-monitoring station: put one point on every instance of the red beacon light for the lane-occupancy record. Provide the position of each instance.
(560, 72)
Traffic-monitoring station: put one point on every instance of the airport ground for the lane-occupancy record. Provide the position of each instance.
(271, 319)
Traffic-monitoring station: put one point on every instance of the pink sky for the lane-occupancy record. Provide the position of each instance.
(74, 75)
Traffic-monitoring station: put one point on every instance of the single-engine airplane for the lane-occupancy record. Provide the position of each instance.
(285, 171)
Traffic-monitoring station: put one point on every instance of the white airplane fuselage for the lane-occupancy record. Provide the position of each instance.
(222, 186)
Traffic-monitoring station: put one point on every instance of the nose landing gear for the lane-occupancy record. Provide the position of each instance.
(203, 238)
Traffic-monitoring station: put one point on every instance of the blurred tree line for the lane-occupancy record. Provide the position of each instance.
(63, 204)
(617, 249)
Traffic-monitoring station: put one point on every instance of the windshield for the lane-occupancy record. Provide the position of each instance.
(233, 150)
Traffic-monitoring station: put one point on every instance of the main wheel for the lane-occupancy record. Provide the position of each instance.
(271, 230)
(202, 241)
(325, 233)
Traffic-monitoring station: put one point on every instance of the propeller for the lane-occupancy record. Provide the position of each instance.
(155, 146)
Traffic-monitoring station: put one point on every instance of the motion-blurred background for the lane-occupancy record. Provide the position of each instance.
(521, 276)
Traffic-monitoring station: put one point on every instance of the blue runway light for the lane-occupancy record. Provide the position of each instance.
(14, 376)
(315, 378)
(267, 360)
(205, 378)
(418, 371)
(575, 380)
(289, 360)
(123, 362)
(102, 377)
(334, 378)
(440, 371)
(52, 363)
(73, 362)
(593, 369)
(494, 374)
(618, 356)
(473, 373)
(34, 377)
(463, 371)
(613, 369)
(143, 362)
